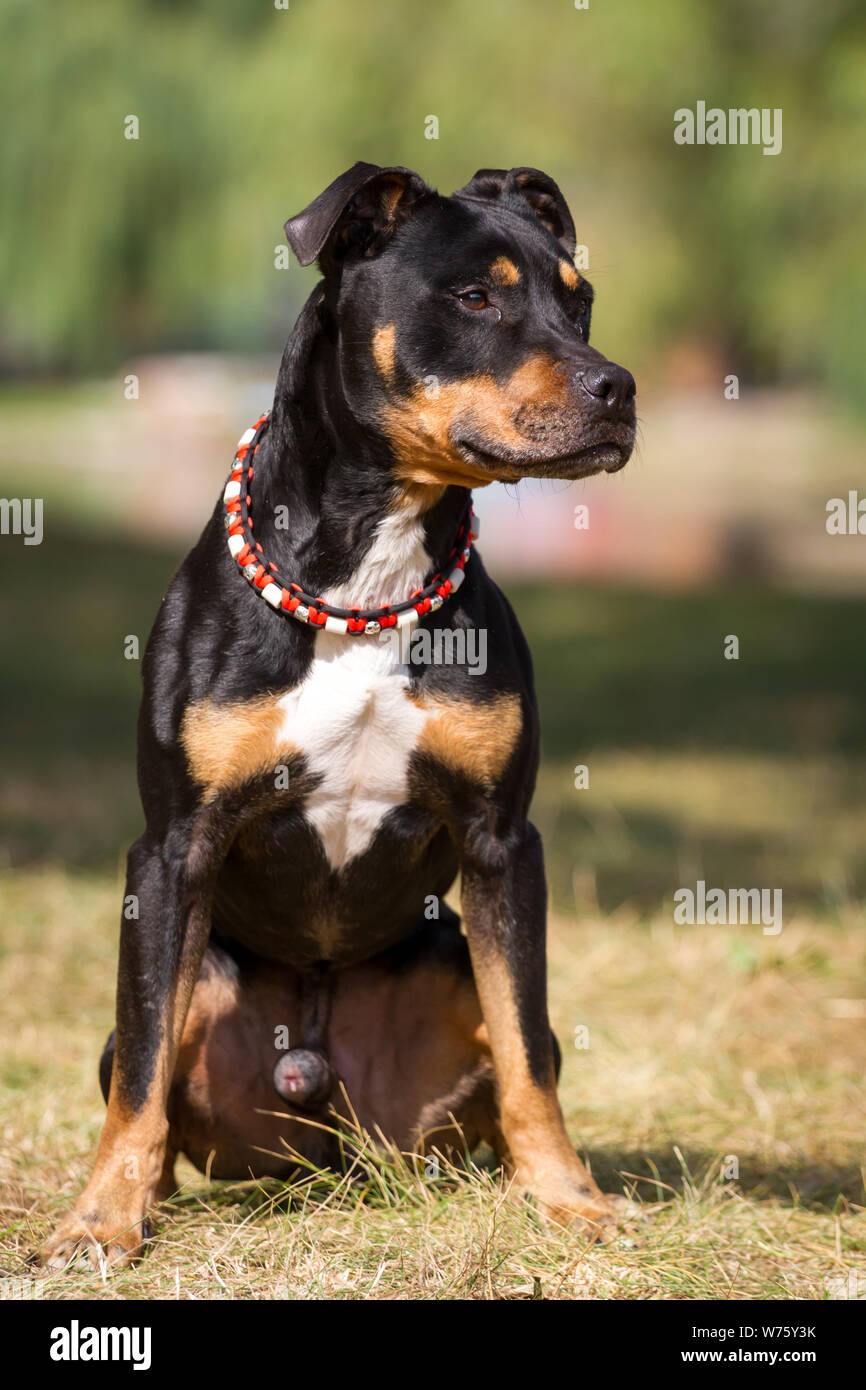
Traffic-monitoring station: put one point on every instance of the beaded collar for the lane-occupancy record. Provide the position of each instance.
(286, 597)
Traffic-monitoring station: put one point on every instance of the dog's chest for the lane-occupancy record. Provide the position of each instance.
(354, 721)
(352, 716)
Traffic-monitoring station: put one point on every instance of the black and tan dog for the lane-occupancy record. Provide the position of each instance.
(309, 792)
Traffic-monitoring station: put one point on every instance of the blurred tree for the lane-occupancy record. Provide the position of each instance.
(111, 246)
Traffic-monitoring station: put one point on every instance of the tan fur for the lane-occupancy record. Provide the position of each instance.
(420, 427)
(420, 1029)
(134, 1161)
(418, 498)
(392, 192)
(409, 1047)
(227, 744)
(569, 275)
(540, 1149)
(383, 350)
(476, 739)
(504, 271)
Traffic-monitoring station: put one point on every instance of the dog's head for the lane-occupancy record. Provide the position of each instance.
(463, 326)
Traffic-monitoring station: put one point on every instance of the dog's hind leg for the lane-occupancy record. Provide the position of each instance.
(410, 1047)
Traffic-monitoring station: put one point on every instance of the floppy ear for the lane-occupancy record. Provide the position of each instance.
(359, 212)
(537, 189)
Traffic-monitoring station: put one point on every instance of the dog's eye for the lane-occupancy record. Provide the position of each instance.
(474, 299)
(583, 306)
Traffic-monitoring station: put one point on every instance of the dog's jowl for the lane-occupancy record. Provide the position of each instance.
(310, 796)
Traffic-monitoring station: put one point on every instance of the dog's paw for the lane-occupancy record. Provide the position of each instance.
(94, 1244)
(601, 1217)
(578, 1206)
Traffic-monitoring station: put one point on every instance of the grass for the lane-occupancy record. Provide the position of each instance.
(705, 1045)
(741, 772)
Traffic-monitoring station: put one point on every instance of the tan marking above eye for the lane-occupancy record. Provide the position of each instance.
(383, 350)
(470, 737)
(226, 745)
(504, 271)
(568, 275)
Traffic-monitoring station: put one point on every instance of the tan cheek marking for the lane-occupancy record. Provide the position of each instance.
(476, 740)
(420, 426)
(504, 271)
(227, 744)
(419, 430)
(383, 350)
(569, 275)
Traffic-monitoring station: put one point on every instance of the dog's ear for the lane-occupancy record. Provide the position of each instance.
(357, 214)
(537, 189)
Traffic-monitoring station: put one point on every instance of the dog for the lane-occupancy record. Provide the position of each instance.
(310, 791)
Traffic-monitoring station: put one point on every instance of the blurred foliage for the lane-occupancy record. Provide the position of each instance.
(112, 246)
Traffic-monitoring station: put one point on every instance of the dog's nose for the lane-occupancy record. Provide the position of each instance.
(612, 386)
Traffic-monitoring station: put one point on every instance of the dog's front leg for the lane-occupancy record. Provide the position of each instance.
(163, 936)
(504, 908)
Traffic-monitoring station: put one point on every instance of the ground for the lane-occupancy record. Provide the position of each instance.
(711, 1050)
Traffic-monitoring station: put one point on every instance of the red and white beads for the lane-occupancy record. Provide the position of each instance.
(290, 598)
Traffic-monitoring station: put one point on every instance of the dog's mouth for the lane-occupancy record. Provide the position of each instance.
(602, 456)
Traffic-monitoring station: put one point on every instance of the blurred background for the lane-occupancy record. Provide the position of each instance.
(158, 258)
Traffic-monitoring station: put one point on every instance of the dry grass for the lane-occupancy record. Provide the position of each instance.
(704, 1043)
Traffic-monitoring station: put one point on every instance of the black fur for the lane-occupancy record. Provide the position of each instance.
(327, 457)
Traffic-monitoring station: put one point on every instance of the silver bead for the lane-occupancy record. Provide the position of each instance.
(372, 628)
(435, 602)
(302, 614)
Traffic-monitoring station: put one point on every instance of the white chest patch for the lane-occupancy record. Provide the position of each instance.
(351, 716)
